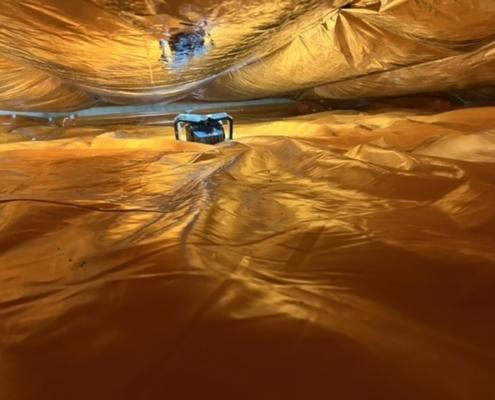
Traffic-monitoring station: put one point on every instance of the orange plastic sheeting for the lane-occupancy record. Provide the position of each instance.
(342, 255)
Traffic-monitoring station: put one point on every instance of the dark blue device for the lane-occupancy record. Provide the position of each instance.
(209, 129)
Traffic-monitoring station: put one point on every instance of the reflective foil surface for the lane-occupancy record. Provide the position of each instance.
(323, 254)
(59, 54)
(340, 254)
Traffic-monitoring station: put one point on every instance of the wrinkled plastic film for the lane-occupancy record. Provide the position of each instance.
(113, 51)
(347, 253)
(339, 254)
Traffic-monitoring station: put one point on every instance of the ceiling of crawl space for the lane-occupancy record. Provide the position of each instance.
(70, 54)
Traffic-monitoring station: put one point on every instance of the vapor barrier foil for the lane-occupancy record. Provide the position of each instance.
(337, 255)
(59, 55)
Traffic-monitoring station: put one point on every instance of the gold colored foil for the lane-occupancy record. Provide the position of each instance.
(340, 254)
(109, 50)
